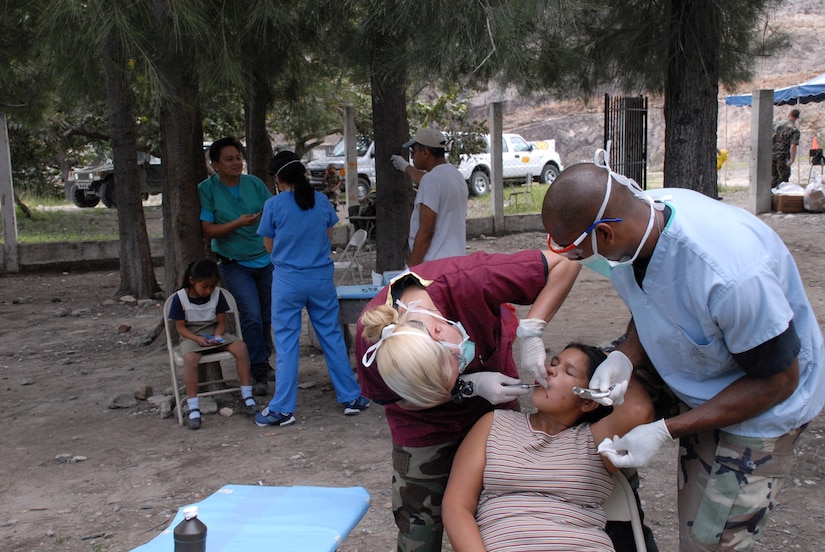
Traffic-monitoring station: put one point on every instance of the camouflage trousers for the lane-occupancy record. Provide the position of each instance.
(419, 480)
(728, 487)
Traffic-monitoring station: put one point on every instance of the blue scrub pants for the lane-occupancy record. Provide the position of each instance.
(293, 290)
(252, 288)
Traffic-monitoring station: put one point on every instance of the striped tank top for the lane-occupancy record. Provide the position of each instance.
(541, 492)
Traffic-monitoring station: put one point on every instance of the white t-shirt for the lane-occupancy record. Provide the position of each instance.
(445, 192)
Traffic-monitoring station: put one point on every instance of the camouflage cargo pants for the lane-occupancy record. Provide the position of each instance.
(419, 479)
(728, 487)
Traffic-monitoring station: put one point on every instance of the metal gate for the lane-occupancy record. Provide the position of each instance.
(625, 125)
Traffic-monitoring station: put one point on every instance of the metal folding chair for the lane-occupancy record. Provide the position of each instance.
(233, 325)
(348, 262)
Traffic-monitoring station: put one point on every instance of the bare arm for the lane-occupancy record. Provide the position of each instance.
(464, 488)
(415, 174)
(632, 347)
(560, 278)
(213, 230)
(220, 328)
(637, 409)
(739, 401)
(426, 230)
(268, 244)
(186, 333)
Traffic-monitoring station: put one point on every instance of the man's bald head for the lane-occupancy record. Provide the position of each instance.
(573, 201)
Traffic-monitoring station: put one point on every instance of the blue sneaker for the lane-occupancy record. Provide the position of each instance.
(355, 406)
(266, 418)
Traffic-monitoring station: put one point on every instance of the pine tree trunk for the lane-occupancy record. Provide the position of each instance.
(183, 159)
(691, 90)
(137, 277)
(394, 194)
(258, 145)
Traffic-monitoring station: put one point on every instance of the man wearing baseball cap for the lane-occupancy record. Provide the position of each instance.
(438, 221)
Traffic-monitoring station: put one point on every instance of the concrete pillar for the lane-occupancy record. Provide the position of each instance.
(496, 174)
(10, 260)
(759, 191)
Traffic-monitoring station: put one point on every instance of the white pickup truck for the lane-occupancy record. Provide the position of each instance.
(365, 150)
(519, 158)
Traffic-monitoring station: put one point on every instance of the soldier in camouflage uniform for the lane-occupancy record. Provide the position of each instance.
(720, 311)
(783, 149)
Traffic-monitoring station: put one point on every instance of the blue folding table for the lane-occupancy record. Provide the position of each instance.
(250, 517)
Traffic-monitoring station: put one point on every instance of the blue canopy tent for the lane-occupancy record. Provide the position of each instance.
(807, 92)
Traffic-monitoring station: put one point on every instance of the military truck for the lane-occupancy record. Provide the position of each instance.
(91, 185)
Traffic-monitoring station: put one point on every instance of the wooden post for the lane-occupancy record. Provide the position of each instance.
(350, 157)
(10, 258)
(496, 178)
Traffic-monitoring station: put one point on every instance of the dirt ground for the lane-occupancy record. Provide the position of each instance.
(62, 358)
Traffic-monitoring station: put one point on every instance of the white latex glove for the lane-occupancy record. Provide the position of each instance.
(533, 355)
(492, 386)
(638, 447)
(613, 372)
(399, 163)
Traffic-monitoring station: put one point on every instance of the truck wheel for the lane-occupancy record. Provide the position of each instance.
(80, 198)
(549, 173)
(107, 192)
(363, 188)
(479, 183)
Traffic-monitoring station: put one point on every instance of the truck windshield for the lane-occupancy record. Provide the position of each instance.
(361, 146)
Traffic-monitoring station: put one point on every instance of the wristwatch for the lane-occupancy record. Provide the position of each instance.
(462, 390)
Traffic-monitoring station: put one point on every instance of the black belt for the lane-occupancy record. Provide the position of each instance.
(224, 260)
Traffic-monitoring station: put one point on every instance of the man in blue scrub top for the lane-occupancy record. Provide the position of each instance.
(719, 309)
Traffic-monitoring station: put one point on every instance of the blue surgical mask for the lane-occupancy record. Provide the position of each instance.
(466, 349)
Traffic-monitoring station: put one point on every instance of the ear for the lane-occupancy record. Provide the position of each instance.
(588, 405)
(605, 231)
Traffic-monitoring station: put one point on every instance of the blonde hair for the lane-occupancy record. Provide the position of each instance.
(417, 369)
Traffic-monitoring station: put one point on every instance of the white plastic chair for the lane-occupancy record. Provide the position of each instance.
(233, 325)
(348, 261)
(621, 506)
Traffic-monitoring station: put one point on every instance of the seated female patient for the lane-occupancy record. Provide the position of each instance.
(536, 481)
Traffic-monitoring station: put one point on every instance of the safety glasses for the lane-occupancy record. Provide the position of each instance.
(573, 251)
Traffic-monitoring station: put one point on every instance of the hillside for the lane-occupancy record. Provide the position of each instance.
(577, 126)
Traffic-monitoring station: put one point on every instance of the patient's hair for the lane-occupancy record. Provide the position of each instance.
(595, 356)
(416, 367)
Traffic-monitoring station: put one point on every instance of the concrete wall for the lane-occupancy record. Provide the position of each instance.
(103, 254)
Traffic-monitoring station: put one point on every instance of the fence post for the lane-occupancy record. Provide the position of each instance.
(10, 253)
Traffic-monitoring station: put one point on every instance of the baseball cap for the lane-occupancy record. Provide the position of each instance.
(428, 137)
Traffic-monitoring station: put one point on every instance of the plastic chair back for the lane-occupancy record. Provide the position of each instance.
(621, 506)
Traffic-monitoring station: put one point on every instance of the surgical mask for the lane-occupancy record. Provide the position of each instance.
(466, 349)
(598, 262)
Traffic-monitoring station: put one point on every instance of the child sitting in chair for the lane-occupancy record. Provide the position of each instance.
(199, 311)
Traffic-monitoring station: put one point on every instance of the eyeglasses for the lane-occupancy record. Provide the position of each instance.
(413, 151)
(573, 251)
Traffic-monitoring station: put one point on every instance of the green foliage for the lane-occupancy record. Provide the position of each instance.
(627, 44)
(449, 112)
